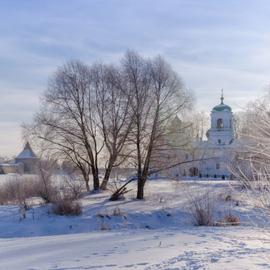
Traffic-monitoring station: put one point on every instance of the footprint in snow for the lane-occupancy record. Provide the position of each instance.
(200, 242)
(264, 265)
(105, 255)
(170, 234)
(144, 263)
(214, 259)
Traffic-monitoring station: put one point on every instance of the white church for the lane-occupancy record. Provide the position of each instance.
(210, 158)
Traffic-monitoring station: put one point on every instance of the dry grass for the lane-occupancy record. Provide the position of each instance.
(73, 187)
(202, 210)
(117, 212)
(229, 220)
(67, 208)
(17, 189)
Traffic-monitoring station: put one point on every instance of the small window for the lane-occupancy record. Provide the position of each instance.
(219, 123)
(186, 156)
(217, 166)
(219, 141)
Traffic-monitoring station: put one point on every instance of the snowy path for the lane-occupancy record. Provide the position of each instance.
(196, 248)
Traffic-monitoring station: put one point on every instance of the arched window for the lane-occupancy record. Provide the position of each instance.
(219, 123)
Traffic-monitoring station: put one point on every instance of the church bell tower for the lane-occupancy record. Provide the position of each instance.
(221, 131)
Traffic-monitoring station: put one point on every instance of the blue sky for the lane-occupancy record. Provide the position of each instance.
(211, 44)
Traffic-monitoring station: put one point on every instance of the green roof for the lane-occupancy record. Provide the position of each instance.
(222, 107)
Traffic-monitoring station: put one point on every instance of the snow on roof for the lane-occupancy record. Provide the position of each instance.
(27, 152)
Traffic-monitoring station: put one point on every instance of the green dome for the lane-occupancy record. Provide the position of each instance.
(222, 108)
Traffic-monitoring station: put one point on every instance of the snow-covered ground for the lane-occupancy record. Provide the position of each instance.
(157, 233)
(193, 248)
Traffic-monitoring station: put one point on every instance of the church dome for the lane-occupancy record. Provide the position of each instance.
(222, 107)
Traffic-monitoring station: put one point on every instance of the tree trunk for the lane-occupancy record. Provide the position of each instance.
(95, 179)
(106, 177)
(140, 189)
(87, 184)
(86, 179)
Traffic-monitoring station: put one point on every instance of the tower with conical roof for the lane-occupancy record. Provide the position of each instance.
(221, 131)
(28, 158)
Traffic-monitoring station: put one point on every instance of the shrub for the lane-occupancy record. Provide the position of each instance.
(230, 220)
(101, 218)
(73, 187)
(17, 189)
(104, 227)
(117, 212)
(118, 192)
(201, 210)
(67, 207)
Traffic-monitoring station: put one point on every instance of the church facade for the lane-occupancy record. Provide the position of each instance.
(210, 158)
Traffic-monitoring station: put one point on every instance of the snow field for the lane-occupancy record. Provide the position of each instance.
(156, 233)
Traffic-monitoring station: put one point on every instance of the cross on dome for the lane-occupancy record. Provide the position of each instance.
(222, 107)
(222, 97)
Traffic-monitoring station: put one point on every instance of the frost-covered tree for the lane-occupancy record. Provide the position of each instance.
(252, 160)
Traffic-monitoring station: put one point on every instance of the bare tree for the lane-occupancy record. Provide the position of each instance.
(200, 124)
(113, 100)
(106, 115)
(251, 164)
(45, 169)
(158, 97)
(67, 120)
(76, 155)
(85, 118)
